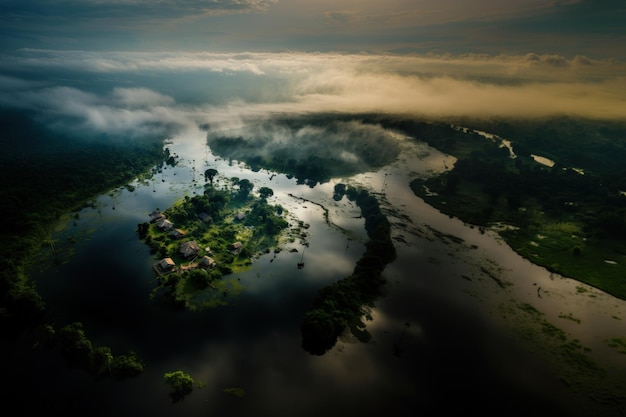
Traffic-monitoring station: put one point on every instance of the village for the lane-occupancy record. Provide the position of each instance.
(202, 242)
(190, 249)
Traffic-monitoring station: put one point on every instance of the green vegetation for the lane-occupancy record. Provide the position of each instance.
(569, 217)
(343, 304)
(597, 388)
(618, 343)
(45, 175)
(210, 236)
(235, 391)
(79, 353)
(181, 384)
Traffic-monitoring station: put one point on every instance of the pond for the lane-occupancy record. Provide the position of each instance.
(440, 335)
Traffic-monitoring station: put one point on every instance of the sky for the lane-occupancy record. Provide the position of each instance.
(130, 66)
(570, 27)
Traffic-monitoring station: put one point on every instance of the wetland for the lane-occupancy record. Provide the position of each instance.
(458, 313)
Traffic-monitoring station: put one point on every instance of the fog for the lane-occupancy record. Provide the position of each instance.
(131, 93)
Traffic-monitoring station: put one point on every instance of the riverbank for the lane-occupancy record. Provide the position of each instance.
(565, 213)
(559, 245)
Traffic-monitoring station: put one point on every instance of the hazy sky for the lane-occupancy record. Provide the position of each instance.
(128, 66)
(594, 28)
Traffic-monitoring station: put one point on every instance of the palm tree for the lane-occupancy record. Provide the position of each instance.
(210, 174)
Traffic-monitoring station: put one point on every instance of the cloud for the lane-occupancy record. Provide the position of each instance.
(339, 16)
(101, 9)
(127, 93)
(354, 146)
(140, 97)
(120, 61)
(376, 15)
(8, 83)
(131, 112)
(516, 26)
(514, 68)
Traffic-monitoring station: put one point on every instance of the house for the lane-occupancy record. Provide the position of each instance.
(240, 216)
(166, 264)
(236, 247)
(165, 224)
(178, 233)
(207, 262)
(189, 249)
(156, 216)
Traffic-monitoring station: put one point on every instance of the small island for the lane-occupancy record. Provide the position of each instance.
(204, 238)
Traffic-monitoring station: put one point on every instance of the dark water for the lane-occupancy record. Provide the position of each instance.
(433, 351)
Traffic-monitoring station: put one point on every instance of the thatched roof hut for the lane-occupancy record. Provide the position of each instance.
(207, 262)
(166, 264)
(165, 224)
(189, 249)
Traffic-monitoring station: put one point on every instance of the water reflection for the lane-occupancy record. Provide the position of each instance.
(438, 341)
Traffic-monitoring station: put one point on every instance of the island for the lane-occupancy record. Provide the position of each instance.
(202, 239)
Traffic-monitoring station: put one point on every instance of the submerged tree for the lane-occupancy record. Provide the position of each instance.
(181, 384)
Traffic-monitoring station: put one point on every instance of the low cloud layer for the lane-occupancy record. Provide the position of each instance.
(126, 93)
(305, 145)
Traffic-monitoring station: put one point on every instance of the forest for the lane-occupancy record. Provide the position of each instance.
(568, 216)
(44, 176)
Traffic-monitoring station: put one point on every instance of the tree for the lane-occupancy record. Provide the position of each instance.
(74, 344)
(339, 191)
(319, 331)
(265, 192)
(199, 278)
(210, 174)
(100, 360)
(245, 187)
(126, 366)
(181, 383)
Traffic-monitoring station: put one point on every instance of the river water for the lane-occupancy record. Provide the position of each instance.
(441, 339)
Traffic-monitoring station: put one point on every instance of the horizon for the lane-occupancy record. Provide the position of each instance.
(125, 66)
(543, 27)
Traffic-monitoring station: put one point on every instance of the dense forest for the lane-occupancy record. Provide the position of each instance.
(344, 304)
(46, 174)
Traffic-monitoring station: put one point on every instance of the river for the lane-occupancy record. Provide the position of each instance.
(441, 335)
